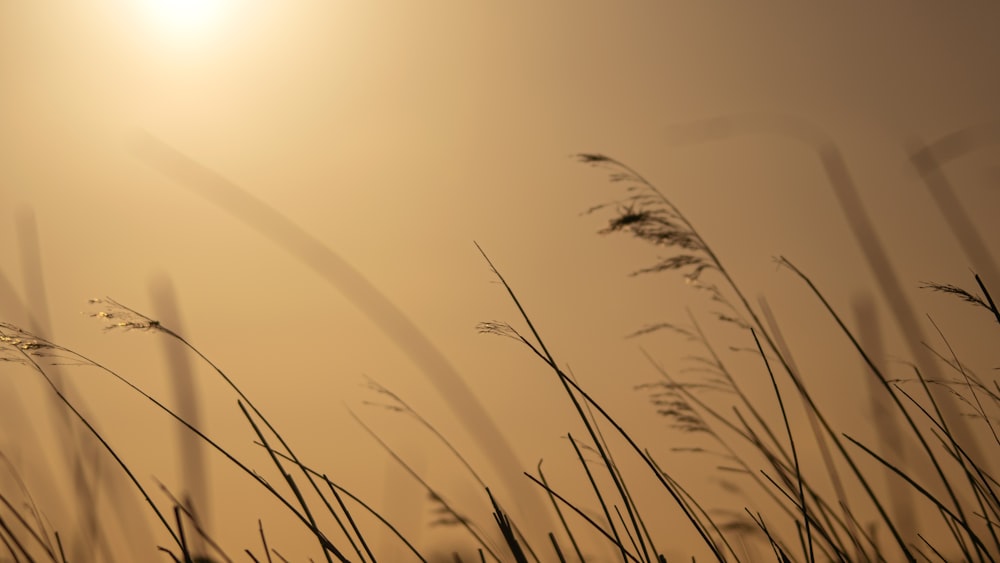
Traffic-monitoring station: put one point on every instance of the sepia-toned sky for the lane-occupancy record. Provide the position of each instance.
(400, 134)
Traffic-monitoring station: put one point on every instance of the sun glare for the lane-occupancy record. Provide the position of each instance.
(185, 18)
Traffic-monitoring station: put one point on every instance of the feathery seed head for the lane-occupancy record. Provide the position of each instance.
(17, 344)
(119, 316)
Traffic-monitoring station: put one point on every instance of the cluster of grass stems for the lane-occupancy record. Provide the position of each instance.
(808, 520)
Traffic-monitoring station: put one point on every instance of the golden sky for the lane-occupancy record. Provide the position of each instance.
(397, 135)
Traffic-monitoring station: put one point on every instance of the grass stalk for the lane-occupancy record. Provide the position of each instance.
(341, 490)
(570, 386)
(881, 378)
(461, 520)
(327, 547)
(562, 519)
(25, 349)
(600, 498)
(582, 515)
(808, 545)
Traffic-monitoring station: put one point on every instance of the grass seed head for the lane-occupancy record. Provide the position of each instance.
(118, 316)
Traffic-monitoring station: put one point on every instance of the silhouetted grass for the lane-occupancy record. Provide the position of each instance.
(803, 513)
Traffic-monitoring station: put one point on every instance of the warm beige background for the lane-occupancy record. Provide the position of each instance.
(400, 133)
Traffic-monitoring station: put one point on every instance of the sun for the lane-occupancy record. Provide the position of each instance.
(186, 18)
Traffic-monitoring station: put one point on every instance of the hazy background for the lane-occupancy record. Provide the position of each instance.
(398, 134)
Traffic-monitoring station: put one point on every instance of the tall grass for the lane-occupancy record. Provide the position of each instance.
(834, 508)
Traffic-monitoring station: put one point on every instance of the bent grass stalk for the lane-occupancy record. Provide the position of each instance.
(345, 278)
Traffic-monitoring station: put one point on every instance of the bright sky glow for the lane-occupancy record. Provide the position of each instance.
(186, 18)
